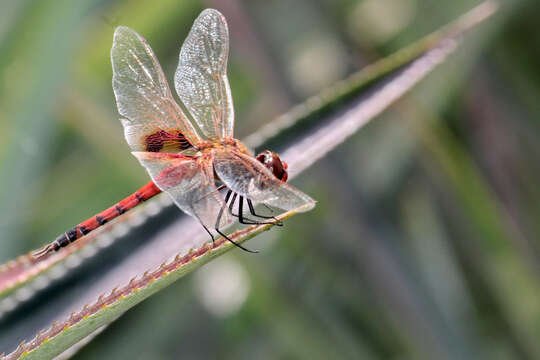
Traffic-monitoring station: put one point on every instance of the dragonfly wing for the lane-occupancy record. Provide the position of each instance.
(248, 177)
(201, 77)
(190, 183)
(153, 117)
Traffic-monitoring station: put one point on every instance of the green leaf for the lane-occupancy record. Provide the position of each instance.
(107, 308)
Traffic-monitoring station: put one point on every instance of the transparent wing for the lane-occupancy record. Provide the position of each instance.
(190, 183)
(248, 177)
(201, 76)
(144, 98)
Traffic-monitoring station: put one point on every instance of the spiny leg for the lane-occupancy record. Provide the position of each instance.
(223, 209)
(209, 233)
(228, 239)
(235, 243)
(231, 205)
(240, 215)
(242, 220)
(248, 221)
(219, 219)
(252, 211)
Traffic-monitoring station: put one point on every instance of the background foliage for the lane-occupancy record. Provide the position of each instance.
(424, 240)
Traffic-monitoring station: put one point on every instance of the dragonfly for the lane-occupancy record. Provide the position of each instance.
(190, 153)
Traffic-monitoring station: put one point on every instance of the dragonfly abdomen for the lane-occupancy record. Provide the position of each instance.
(146, 192)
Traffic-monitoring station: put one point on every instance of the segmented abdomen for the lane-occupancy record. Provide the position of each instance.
(146, 192)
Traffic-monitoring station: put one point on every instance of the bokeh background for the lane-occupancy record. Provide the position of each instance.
(425, 240)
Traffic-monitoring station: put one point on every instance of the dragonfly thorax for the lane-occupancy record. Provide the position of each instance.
(223, 143)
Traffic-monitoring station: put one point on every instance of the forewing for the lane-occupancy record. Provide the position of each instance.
(201, 77)
(248, 177)
(143, 96)
(189, 182)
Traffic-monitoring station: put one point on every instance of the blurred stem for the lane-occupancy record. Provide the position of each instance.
(513, 285)
(308, 113)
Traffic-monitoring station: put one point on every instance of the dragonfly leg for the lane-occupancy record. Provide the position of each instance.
(240, 215)
(219, 219)
(235, 243)
(231, 205)
(252, 211)
(209, 233)
(220, 214)
(248, 221)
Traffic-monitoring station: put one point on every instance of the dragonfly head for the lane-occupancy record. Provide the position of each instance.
(272, 161)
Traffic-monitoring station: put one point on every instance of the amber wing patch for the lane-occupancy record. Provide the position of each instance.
(166, 141)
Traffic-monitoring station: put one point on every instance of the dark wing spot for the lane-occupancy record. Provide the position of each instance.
(183, 143)
(154, 142)
(173, 140)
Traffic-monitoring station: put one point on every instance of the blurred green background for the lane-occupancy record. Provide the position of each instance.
(425, 240)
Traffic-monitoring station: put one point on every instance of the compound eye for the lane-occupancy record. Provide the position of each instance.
(273, 163)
